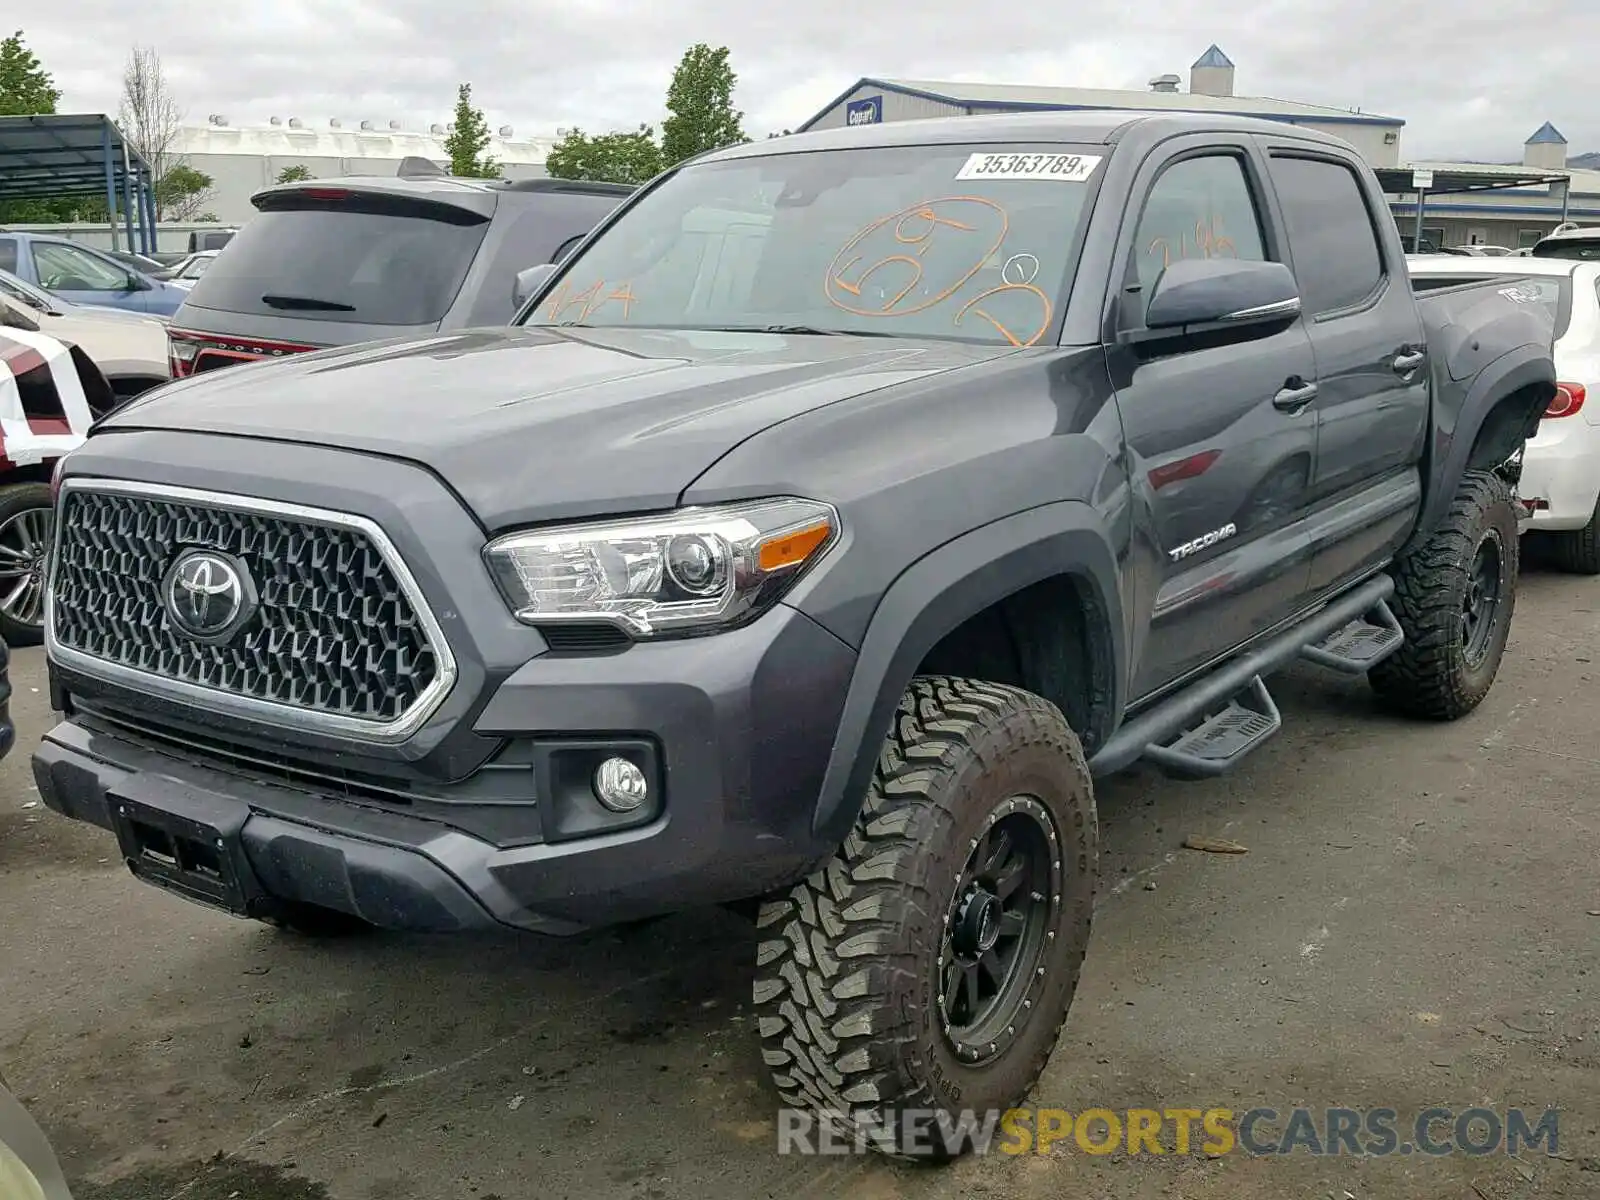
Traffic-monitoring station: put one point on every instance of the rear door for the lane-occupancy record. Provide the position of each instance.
(1221, 457)
(330, 266)
(1371, 356)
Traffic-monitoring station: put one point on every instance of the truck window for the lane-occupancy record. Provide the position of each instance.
(1198, 208)
(1337, 259)
(8, 254)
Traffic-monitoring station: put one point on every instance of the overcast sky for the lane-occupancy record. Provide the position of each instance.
(1470, 77)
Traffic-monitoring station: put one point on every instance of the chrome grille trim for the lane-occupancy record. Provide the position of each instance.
(287, 716)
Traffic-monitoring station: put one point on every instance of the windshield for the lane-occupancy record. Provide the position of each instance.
(195, 268)
(1582, 249)
(963, 242)
(350, 259)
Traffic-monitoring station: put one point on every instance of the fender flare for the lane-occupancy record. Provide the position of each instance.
(936, 594)
(1525, 367)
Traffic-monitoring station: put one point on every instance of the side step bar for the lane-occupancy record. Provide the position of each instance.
(1207, 727)
(1359, 645)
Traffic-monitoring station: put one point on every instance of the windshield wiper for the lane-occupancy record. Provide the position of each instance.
(798, 330)
(306, 304)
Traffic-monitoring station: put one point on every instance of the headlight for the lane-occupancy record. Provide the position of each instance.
(695, 570)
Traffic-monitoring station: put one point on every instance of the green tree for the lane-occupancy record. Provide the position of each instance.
(181, 193)
(700, 108)
(469, 138)
(26, 88)
(295, 174)
(607, 157)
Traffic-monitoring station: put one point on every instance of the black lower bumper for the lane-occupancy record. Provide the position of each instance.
(735, 820)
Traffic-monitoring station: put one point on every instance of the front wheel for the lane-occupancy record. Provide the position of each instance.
(26, 521)
(925, 972)
(1454, 597)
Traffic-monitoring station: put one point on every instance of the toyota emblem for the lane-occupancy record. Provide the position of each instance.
(208, 595)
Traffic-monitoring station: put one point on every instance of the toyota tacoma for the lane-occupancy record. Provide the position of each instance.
(826, 522)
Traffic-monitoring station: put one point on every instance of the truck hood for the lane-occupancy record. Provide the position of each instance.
(540, 424)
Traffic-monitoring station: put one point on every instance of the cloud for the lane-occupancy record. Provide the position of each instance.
(1472, 79)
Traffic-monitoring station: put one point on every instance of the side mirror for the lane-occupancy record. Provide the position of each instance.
(530, 281)
(1204, 291)
(136, 284)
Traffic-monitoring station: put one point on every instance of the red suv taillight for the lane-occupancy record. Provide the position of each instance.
(1569, 399)
(180, 353)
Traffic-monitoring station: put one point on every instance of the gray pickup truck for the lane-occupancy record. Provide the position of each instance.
(830, 518)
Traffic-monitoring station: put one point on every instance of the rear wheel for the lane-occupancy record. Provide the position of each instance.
(1454, 598)
(26, 521)
(926, 971)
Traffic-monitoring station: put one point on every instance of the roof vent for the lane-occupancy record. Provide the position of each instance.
(394, 124)
(1165, 83)
(275, 121)
(333, 122)
(436, 130)
(295, 123)
(218, 119)
(506, 131)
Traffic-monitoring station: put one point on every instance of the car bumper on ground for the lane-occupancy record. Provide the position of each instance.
(735, 730)
(1560, 480)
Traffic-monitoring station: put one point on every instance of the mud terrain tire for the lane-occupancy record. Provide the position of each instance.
(1454, 597)
(857, 963)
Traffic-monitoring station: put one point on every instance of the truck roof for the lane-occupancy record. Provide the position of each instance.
(1105, 126)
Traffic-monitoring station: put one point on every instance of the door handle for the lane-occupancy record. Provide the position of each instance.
(1408, 361)
(1295, 395)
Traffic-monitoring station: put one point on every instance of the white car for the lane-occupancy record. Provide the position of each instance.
(129, 348)
(1560, 483)
(187, 272)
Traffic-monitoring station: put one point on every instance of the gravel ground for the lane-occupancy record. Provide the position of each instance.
(1416, 923)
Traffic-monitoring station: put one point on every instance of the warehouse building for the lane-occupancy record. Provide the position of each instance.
(872, 100)
(242, 159)
(1533, 197)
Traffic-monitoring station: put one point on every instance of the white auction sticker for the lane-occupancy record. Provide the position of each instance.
(1063, 168)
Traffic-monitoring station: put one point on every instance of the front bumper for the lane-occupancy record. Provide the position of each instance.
(743, 724)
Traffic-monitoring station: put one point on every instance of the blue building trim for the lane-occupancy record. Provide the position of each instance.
(1546, 135)
(1439, 207)
(1214, 57)
(1001, 106)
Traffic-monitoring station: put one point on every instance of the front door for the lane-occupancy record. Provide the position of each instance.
(1221, 434)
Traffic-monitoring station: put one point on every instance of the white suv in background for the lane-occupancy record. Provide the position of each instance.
(129, 348)
(1560, 483)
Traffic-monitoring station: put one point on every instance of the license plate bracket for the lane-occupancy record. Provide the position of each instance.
(186, 840)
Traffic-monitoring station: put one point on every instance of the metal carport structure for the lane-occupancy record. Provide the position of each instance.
(44, 156)
(1446, 179)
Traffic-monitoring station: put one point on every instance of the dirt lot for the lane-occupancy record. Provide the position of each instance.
(1417, 922)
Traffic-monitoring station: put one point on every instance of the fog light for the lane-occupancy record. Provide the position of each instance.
(620, 785)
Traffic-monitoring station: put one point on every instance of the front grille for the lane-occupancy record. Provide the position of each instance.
(336, 633)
